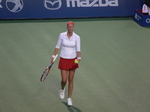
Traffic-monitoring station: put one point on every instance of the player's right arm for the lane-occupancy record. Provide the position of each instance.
(56, 48)
(54, 54)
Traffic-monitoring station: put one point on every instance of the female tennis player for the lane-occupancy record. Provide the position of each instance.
(69, 42)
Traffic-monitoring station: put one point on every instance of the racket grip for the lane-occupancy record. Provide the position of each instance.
(55, 57)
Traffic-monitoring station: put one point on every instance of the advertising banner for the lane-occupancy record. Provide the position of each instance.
(141, 19)
(37, 9)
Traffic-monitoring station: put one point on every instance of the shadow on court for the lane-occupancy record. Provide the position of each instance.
(72, 108)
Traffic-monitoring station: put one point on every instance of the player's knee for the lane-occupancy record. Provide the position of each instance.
(64, 81)
(70, 80)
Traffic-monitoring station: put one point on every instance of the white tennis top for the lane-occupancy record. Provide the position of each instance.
(69, 46)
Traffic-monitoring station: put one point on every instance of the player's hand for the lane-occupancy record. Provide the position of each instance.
(52, 60)
(79, 60)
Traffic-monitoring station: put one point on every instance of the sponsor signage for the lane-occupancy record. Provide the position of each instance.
(91, 3)
(141, 19)
(30, 9)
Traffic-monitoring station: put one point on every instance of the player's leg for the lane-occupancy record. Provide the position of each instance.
(70, 82)
(70, 85)
(64, 76)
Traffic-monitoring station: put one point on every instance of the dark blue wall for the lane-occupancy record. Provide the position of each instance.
(35, 9)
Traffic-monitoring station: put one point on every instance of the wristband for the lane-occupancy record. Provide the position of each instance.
(79, 58)
(53, 56)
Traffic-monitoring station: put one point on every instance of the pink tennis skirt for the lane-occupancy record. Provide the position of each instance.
(66, 64)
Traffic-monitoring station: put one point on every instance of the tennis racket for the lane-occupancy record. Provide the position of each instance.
(47, 70)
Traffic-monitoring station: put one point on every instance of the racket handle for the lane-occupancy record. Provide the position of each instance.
(55, 57)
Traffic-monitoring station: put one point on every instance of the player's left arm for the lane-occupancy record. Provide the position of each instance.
(78, 49)
(79, 55)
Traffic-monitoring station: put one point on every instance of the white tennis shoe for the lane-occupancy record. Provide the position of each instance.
(62, 93)
(69, 102)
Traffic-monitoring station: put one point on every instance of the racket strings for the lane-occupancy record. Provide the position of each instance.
(45, 73)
